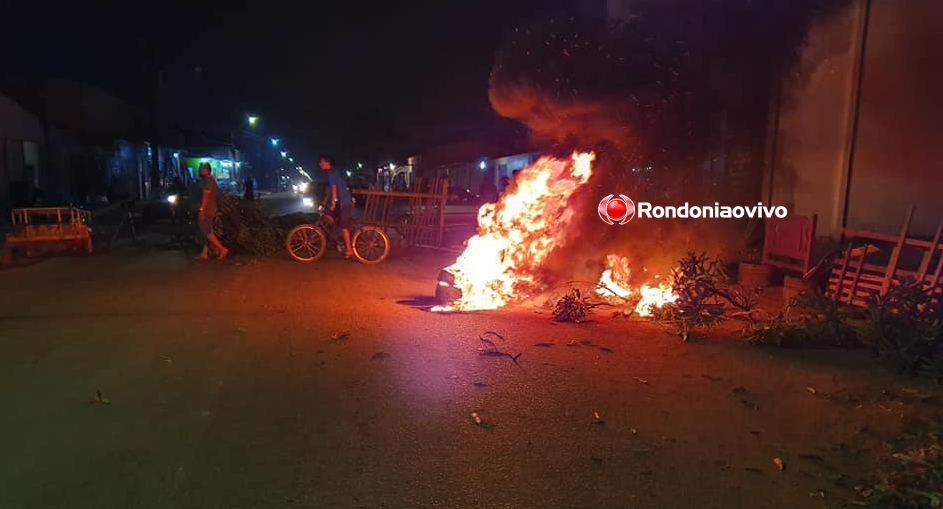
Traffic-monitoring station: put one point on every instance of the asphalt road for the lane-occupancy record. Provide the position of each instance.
(262, 383)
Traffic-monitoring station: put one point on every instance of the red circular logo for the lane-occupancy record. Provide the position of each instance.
(616, 209)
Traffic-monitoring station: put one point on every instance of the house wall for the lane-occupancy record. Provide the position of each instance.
(856, 138)
(21, 135)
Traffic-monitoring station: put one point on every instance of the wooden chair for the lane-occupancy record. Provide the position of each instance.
(788, 243)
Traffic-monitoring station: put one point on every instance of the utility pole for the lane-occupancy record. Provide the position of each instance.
(155, 78)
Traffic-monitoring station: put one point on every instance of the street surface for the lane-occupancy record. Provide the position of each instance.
(263, 383)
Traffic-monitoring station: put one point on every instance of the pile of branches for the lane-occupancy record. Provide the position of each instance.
(248, 226)
(573, 307)
(702, 286)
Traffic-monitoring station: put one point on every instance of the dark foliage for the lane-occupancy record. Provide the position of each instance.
(248, 226)
(904, 327)
(909, 480)
(807, 321)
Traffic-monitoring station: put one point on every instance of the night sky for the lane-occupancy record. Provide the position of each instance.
(313, 72)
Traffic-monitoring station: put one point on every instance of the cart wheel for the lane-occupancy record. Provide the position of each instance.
(306, 243)
(371, 245)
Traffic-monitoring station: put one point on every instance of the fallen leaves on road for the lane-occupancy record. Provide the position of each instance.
(713, 378)
(750, 404)
(168, 361)
(640, 380)
(810, 389)
(480, 384)
(379, 356)
(543, 345)
(241, 330)
(597, 418)
(478, 421)
(607, 350)
(340, 336)
(922, 396)
(99, 399)
(779, 464)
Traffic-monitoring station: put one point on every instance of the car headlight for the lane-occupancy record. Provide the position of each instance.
(172, 199)
(307, 202)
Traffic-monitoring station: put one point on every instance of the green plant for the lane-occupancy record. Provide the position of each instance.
(909, 480)
(932, 367)
(904, 327)
(809, 320)
(697, 281)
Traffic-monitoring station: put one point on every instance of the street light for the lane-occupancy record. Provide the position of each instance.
(359, 165)
(274, 141)
(253, 120)
(284, 154)
(291, 159)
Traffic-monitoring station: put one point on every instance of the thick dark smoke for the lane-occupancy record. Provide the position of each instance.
(646, 93)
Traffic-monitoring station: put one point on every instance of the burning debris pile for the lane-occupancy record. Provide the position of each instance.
(518, 236)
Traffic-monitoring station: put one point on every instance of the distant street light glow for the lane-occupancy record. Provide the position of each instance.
(482, 165)
(284, 154)
(392, 166)
(253, 120)
(349, 173)
(275, 142)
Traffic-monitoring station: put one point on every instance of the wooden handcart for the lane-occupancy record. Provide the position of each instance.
(40, 228)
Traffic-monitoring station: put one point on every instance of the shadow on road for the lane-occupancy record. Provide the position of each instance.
(424, 302)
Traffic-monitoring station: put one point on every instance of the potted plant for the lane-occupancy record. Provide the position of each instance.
(751, 273)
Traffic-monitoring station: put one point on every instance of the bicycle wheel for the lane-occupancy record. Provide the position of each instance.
(306, 243)
(371, 245)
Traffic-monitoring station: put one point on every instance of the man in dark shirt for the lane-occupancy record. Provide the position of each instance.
(339, 199)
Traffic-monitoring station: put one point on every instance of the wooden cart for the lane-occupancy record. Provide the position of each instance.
(37, 229)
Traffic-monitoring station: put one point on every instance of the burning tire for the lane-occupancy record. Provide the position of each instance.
(371, 245)
(306, 243)
(445, 290)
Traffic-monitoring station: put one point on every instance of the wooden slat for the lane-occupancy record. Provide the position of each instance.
(925, 262)
(895, 254)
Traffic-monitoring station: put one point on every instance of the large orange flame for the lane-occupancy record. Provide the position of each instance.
(614, 288)
(518, 233)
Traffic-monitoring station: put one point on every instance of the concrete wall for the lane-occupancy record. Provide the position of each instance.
(856, 152)
(808, 158)
(898, 157)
